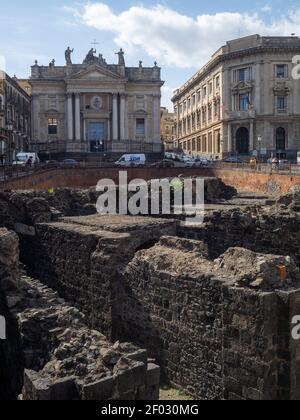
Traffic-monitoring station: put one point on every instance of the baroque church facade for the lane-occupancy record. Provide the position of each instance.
(95, 107)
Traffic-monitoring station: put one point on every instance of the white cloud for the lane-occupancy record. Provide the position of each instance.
(267, 8)
(176, 40)
(167, 93)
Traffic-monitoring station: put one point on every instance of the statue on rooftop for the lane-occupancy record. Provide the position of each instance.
(90, 58)
(121, 57)
(68, 55)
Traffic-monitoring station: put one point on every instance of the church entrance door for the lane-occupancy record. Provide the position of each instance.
(96, 136)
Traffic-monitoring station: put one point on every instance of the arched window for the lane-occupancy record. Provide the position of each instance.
(280, 139)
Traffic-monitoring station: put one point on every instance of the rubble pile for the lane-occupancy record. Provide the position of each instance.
(291, 199)
(261, 271)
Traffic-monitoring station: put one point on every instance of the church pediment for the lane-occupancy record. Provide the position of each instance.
(95, 72)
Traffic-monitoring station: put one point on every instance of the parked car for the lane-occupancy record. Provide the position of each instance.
(165, 163)
(131, 160)
(70, 163)
(197, 162)
(233, 159)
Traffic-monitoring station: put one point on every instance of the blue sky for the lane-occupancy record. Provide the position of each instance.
(180, 35)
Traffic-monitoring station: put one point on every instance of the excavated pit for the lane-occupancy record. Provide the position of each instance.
(208, 302)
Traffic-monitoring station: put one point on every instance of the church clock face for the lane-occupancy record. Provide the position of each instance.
(97, 103)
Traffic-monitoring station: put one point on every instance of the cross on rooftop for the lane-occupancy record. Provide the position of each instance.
(94, 43)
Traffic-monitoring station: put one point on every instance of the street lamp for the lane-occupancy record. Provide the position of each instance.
(222, 146)
(259, 140)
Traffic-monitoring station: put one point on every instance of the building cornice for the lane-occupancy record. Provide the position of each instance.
(223, 58)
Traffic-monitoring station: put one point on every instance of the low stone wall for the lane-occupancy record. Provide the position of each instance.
(61, 357)
(11, 356)
(213, 336)
(271, 230)
(86, 177)
(220, 329)
(85, 264)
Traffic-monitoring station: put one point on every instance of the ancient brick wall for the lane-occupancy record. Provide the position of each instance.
(212, 338)
(50, 344)
(81, 258)
(272, 231)
(86, 177)
(11, 360)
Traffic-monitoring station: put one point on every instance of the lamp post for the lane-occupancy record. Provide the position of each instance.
(9, 128)
(259, 140)
(222, 147)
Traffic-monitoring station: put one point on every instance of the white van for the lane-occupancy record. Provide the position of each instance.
(131, 161)
(22, 158)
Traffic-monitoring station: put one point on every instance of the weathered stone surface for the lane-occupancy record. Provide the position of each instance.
(213, 306)
(61, 355)
(213, 335)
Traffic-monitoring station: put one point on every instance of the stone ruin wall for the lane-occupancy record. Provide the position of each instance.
(62, 359)
(213, 338)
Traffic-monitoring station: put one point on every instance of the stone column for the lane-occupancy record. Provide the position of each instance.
(229, 138)
(156, 119)
(77, 117)
(251, 136)
(258, 93)
(126, 119)
(122, 117)
(108, 130)
(70, 117)
(115, 117)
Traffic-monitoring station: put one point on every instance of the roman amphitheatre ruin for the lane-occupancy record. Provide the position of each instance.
(102, 307)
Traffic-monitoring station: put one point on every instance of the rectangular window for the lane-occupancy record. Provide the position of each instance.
(217, 82)
(244, 102)
(242, 75)
(211, 88)
(140, 127)
(281, 71)
(199, 96)
(204, 92)
(52, 126)
(281, 103)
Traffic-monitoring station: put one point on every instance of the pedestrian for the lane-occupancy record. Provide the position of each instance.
(29, 162)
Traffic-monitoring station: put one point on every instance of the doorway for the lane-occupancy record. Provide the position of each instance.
(242, 141)
(96, 136)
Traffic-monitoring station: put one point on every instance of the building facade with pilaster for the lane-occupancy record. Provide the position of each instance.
(95, 107)
(244, 101)
(15, 119)
(167, 121)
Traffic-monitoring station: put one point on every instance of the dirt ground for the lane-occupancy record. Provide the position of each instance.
(171, 394)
